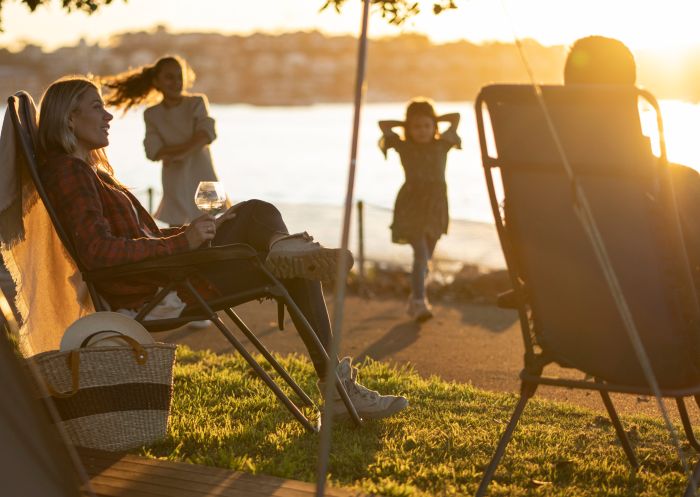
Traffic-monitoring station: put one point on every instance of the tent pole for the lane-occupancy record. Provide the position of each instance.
(340, 281)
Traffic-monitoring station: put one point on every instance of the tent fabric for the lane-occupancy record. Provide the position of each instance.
(33, 460)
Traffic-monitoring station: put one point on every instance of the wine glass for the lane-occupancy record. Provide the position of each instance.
(210, 197)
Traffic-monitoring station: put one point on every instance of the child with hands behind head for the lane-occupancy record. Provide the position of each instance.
(421, 213)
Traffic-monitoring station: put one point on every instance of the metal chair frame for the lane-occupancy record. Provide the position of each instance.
(178, 269)
(531, 375)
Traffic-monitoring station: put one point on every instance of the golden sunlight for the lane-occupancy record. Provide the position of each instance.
(640, 24)
(681, 123)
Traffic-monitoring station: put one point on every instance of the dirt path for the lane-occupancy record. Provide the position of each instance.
(476, 344)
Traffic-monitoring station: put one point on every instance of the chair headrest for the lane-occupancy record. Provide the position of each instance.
(598, 127)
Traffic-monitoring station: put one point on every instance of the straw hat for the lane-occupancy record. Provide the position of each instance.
(92, 329)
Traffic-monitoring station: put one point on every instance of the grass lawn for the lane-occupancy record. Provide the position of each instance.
(223, 416)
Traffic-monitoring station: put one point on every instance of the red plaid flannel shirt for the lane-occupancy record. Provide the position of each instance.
(108, 226)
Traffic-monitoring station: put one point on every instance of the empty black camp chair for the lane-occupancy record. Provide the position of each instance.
(567, 312)
(178, 270)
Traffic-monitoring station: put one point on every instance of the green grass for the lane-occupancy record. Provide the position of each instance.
(223, 416)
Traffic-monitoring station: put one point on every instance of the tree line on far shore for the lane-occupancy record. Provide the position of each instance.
(309, 67)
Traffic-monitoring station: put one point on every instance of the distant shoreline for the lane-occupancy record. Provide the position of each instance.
(303, 68)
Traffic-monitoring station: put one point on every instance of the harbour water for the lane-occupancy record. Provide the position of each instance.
(297, 158)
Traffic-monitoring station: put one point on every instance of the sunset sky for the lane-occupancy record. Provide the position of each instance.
(661, 24)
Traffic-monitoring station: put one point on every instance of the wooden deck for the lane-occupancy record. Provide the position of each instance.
(122, 475)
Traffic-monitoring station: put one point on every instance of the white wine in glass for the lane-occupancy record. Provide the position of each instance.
(210, 197)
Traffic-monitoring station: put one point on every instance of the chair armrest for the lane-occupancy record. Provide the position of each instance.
(185, 261)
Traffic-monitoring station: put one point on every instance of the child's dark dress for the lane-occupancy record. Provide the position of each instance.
(421, 206)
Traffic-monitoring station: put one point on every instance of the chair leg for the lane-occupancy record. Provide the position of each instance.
(527, 391)
(624, 440)
(252, 362)
(158, 297)
(687, 426)
(268, 356)
(693, 483)
(280, 315)
(264, 376)
(294, 311)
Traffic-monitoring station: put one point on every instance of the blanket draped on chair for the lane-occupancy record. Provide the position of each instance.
(50, 290)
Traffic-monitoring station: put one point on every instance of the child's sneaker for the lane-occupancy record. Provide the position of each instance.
(298, 256)
(368, 403)
(420, 310)
(199, 325)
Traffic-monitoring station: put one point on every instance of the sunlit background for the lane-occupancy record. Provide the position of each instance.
(297, 156)
(662, 25)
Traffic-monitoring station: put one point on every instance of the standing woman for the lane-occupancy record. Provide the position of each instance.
(178, 130)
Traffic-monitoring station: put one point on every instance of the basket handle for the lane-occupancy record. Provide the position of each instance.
(73, 360)
(74, 366)
(140, 353)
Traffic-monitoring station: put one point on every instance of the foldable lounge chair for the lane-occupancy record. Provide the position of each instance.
(178, 269)
(567, 312)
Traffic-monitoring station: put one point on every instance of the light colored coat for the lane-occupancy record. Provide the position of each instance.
(167, 126)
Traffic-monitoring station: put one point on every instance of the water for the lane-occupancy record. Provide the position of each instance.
(299, 155)
(297, 158)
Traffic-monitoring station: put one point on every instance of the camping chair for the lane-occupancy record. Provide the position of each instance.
(567, 311)
(178, 269)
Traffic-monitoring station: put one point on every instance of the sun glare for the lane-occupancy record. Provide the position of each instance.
(642, 24)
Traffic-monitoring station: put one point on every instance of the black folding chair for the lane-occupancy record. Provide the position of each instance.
(567, 311)
(178, 270)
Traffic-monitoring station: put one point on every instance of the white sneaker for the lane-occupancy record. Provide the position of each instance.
(199, 325)
(298, 256)
(420, 310)
(368, 403)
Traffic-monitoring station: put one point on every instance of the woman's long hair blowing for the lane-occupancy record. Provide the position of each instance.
(55, 135)
(137, 86)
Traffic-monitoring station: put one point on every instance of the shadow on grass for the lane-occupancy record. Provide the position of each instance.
(224, 416)
(439, 446)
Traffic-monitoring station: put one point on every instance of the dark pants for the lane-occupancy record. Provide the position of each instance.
(255, 223)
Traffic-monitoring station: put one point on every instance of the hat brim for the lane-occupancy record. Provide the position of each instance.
(118, 323)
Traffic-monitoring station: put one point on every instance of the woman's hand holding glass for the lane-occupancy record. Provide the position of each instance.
(201, 231)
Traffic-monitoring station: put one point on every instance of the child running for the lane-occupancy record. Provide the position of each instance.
(421, 213)
(178, 130)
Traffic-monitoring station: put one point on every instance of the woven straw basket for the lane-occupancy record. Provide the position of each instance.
(111, 398)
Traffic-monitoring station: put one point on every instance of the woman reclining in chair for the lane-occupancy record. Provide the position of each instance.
(108, 226)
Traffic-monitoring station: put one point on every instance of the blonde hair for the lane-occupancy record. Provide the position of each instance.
(137, 86)
(59, 101)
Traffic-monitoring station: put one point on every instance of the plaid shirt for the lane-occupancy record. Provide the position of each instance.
(108, 226)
